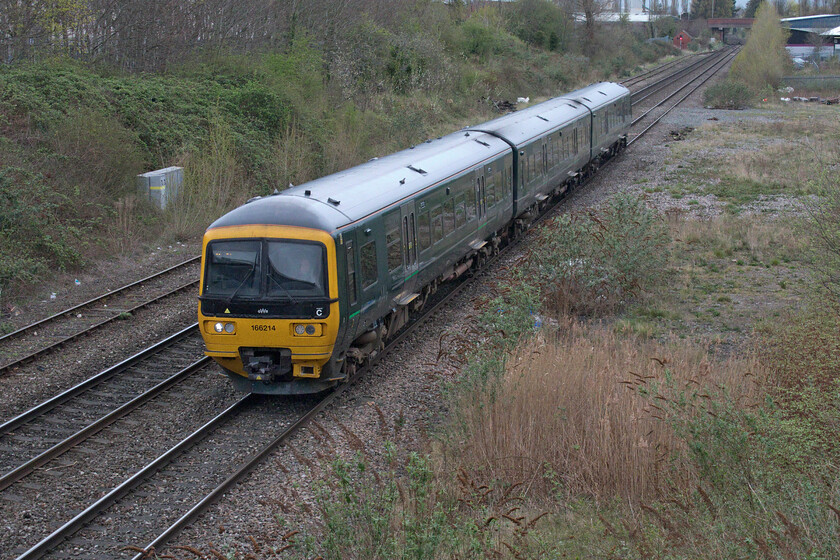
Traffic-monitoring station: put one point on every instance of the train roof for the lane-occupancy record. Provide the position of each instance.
(521, 127)
(343, 198)
(597, 95)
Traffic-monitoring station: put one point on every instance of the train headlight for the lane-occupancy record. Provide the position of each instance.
(218, 327)
(229, 328)
(308, 329)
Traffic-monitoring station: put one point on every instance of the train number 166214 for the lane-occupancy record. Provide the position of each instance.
(263, 328)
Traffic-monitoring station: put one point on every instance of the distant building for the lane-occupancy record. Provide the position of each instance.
(833, 36)
(806, 32)
(682, 39)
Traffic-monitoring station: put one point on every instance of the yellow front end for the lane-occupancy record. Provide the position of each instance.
(308, 340)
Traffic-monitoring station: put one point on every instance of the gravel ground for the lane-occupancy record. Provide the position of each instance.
(401, 399)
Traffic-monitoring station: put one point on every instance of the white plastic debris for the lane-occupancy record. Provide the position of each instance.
(784, 99)
(78, 282)
(523, 99)
(52, 295)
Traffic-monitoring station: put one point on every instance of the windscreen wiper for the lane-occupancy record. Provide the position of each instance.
(271, 274)
(247, 277)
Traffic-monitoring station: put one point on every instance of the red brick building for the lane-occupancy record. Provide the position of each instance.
(682, 39)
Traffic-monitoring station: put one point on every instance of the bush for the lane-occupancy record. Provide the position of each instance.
(823, 229)
(100, 155)
(763, 60)
(596, 260)
(728, 95)
(541, 23)
(36, 235)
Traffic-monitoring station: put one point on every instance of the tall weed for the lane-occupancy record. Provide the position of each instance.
(214, 182)
(823, 230)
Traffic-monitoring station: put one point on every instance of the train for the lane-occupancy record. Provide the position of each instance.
(301, 288)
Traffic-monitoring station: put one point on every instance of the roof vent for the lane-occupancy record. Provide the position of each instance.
(307, 193)
(466, 134)
(417, 170)
(602, 93)
(587, 99)
(373, 159)
(252, 199)
(402, 181)
(333, 201)
(482, 142)
(542, 117)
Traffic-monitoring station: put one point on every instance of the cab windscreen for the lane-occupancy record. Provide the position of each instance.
(268, 268)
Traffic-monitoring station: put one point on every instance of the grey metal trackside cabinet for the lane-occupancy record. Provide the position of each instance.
(161, 186)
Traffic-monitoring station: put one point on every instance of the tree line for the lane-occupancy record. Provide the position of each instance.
(149, 34)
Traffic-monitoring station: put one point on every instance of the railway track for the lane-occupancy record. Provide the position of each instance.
(689, 86)
(181, 479)
(633, 80)
(150, 506)
(665, 83)
(44, 432)
(36, 339)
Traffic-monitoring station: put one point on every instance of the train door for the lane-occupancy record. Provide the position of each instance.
(409, 236)
(351, 280)
(545, 159)
(480, 200)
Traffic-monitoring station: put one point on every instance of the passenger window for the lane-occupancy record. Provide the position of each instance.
(424, 231)
(448, 217)
(460, 210)
(393, 240)
(368, 257)
(351, 273)
(437, 224)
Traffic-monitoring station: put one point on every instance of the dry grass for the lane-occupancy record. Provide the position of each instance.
(783, 152)
(750, 236)
(587, 413)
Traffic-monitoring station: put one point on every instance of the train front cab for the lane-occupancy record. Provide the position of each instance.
(269, 311)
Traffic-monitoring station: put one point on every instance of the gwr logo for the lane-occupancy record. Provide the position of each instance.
(262, 311)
